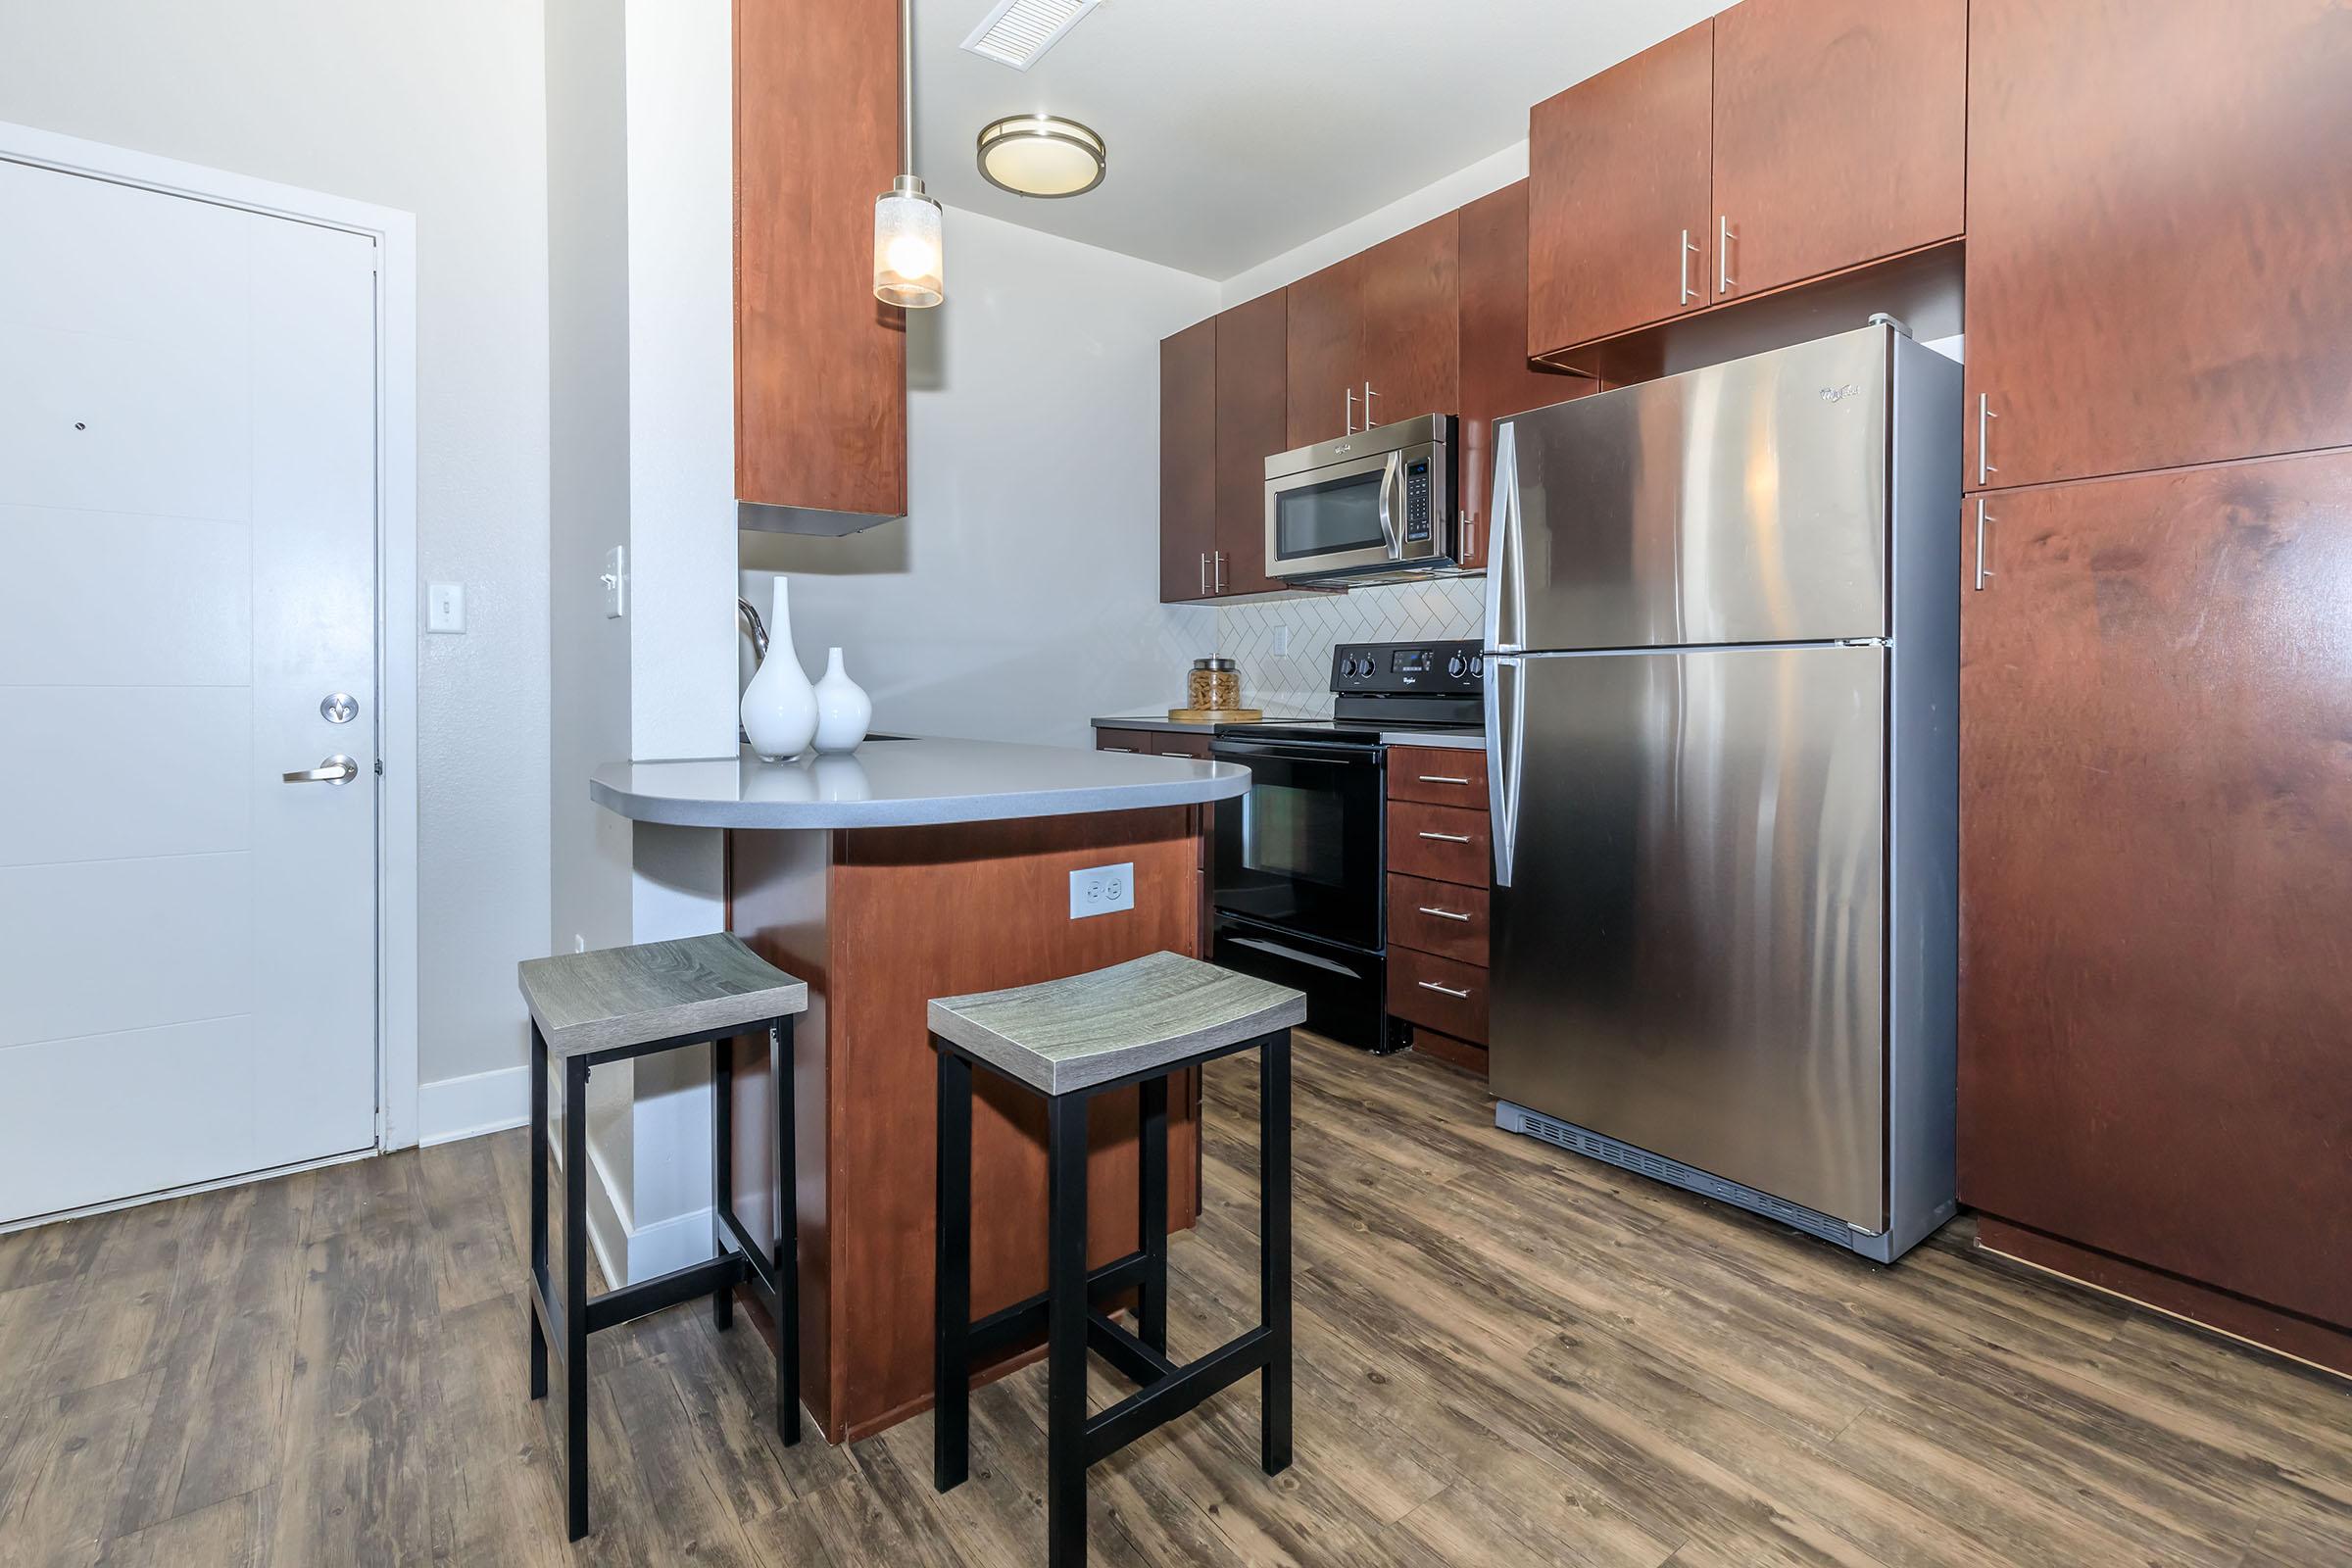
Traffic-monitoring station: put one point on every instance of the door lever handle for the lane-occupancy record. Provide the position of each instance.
(337, 769)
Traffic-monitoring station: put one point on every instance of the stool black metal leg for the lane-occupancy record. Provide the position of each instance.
(575, 1293)
(538, 1208)
(1274, 1243)
(788, 1238)
(722, 1169)
(1065, 1331)
(952, 1277)
(1151, 1184)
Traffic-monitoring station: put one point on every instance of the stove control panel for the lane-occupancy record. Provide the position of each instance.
(1445, 669)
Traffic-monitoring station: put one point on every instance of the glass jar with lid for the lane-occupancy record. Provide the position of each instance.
(1213, 685)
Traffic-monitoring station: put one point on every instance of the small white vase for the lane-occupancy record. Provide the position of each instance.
(843, 710)
(779, 705)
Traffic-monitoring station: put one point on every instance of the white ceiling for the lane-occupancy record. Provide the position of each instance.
(1240, 128)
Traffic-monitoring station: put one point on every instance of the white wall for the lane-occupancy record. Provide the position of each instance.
(1020, 595)
(434, 106)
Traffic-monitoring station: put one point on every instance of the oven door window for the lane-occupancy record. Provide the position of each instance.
(1301, 849)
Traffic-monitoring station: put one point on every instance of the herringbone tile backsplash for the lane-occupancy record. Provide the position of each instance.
(1299, 681)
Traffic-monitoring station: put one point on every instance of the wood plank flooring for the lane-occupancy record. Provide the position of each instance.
(1506, 1356)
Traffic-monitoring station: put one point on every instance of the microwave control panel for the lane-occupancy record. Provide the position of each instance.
(1416, 501)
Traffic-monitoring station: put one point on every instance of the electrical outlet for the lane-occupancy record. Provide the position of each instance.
(1102, 889)
(616, 580)
(444, 606)
(579, 943)
(1281, 641)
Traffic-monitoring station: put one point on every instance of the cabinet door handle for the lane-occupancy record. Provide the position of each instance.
(1446, 838)
(1367, 405)
(1723, 255)
(1204, 574)
(1443, 914)
(1984, 419)
(1687, 293)
(1982, 519)
(1350, 412)
(1447, 990)
(1220, 572)
(1469, 536)
(1441, 778)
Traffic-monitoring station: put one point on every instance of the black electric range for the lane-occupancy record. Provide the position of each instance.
(1300, 883)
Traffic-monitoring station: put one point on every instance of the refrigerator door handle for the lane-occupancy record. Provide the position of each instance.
(1504, 581)
(1506, 725)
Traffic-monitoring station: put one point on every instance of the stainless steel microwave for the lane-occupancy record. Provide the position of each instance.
(1377, 501)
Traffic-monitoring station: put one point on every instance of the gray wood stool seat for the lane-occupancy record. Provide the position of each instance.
(612, 1004)
(1069, 1040)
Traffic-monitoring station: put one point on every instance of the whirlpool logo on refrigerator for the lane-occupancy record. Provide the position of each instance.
(1838, 394)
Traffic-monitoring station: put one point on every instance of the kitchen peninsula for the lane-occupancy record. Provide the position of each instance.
(910, 869)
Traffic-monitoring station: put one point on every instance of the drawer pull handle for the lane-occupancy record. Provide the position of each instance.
(1440, 778)
(1443, 914)
(1432, 985)
(1129, 750)
(1446, 838)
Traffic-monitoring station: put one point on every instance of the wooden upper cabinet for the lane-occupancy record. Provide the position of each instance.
(1840, 138)
(2159, 221)
(1617, 186)
(820, 364)
(1387, 316)
(1410, 338)
(1496, 376)
(1252, 424)
(1187, 469)
(2155, 865)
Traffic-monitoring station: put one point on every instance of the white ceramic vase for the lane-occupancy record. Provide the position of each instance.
(843, 710)
(779, 705)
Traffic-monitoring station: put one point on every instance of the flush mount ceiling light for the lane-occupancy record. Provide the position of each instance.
(1040, 155)
(907, 252)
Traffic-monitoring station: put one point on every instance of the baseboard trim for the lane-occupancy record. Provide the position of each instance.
(451, 1108)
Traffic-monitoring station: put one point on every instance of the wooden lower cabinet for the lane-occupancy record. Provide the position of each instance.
(2156, 880)
(1441, 993)
(1442, 842)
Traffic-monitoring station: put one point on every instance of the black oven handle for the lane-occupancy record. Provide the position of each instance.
(1298, 751)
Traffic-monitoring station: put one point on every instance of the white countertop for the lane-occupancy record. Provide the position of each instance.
(906, 783)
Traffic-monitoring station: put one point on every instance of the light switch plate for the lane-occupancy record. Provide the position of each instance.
(615, 581)
(444, 606)
(1102, 889)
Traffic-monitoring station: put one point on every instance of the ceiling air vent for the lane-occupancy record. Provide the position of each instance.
(1018, 31)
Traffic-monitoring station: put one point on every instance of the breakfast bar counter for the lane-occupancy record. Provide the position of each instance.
(905, 870)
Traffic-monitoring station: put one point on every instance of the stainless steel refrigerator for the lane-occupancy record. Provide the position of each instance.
(1722, 682)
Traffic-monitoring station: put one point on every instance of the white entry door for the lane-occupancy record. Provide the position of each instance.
(187, 584)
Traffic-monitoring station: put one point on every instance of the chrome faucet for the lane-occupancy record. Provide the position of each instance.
(745, 612)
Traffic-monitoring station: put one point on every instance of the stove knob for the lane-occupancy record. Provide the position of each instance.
(1478, 663)
(1457, 666)
(1348, 667)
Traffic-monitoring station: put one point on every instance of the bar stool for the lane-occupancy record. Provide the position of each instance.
(588, 1009)
(1068, 1041)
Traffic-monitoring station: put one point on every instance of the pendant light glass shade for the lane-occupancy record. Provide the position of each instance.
(907, 250)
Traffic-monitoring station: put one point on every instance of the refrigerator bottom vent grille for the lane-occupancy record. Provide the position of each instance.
(1627, 1157)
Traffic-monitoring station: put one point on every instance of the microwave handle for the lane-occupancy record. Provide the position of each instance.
(1391, 479)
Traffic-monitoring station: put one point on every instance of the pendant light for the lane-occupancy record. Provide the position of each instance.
(907, 254)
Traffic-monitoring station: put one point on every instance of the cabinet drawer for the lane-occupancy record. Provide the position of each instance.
(1138, 741)
(1438, 992)
(1442, 842)
(1440, 775)
(1438, 917)
(1180, 743)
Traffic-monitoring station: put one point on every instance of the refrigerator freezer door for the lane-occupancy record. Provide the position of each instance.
(1689, 957)
(1743, 502)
